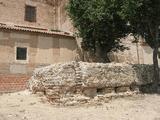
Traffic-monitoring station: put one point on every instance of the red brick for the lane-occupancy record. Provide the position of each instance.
(12, 83)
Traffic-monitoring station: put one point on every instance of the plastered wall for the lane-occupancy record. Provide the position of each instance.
(42, 50)
(136, 53)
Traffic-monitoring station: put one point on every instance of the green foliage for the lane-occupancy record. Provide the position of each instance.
(103, 22)
(144, 18)
(99, 23)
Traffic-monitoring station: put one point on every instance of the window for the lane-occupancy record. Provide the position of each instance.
(21, 53)
(30, 13)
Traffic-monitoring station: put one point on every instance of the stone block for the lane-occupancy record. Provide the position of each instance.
(109, 90)
(122, 89)
(90, 92)
(135, 88)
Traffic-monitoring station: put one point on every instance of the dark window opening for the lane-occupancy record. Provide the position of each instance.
(21, 53)
(30, 13)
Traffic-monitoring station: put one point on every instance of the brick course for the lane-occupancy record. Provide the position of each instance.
(12, 83)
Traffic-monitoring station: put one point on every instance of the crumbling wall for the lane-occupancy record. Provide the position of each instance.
(84, 82)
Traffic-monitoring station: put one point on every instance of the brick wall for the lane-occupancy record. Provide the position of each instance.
(12, 83)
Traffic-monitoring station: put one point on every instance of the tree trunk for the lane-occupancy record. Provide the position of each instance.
(101, 55)
(156, 68)
(155, 62)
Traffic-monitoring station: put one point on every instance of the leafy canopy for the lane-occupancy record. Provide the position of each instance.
(103, 22)
(144, 18)
(99, 23)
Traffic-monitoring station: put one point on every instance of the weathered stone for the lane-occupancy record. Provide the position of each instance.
(90, 92)
(109, 90)
(40, 94)
(122, 89)
(52, 95)
(79, 83)
(134, 88)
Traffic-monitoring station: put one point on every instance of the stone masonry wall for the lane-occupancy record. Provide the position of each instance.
(79, 82)
(13, 12)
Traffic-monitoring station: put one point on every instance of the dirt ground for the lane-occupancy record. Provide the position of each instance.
(25, 106)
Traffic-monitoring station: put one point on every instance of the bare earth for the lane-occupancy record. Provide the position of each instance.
(24, 106)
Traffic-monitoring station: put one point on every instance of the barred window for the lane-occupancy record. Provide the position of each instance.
(30, 13)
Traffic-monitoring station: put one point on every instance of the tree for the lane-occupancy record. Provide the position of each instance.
(99, 24)
(102, 23)
(144, 19)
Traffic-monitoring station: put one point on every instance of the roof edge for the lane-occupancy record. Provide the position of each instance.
(34, 29)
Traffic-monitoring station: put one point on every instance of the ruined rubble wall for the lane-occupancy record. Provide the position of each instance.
(114, 74)
(77, 83)
(89, 78)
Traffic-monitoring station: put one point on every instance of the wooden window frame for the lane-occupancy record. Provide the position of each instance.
(30, 13)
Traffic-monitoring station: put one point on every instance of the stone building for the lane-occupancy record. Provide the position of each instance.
(32, 34)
